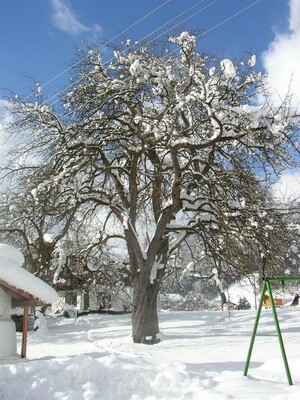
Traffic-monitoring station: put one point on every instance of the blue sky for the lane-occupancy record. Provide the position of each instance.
(38, 38)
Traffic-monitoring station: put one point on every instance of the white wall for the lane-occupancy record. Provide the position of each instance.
(8, 342)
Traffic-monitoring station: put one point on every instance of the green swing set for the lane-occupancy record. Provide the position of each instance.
(267, 288)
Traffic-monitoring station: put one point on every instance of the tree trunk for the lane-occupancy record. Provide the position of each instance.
(223, 299)
(145, 325)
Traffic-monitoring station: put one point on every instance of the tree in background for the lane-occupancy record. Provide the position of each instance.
(163, 147)
(36, 224)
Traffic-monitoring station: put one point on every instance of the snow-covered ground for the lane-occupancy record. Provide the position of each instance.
(201, 356)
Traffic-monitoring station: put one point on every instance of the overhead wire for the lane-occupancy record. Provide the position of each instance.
(142, 40)
(241, 11)
(156, 30)
(105, 44)
(231, 17)
(163, 33)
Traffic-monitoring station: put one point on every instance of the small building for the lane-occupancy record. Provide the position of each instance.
(282, 301)
(267, 302)
(18, 288)
(71, 285)
(76, 287)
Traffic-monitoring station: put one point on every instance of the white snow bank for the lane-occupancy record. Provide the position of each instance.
(11, 261)
(201, 356)
(11, 255)
(247, 287)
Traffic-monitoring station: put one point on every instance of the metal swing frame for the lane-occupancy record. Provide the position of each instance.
(267, 288)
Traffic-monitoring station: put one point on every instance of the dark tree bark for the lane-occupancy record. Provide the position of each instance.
(223, 299)
(145, 325)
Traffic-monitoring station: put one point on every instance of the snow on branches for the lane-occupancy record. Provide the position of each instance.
(163, 145)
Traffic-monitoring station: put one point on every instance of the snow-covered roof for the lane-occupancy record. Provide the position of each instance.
(13, 276)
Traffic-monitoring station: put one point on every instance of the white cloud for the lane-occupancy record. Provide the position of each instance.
(288, 186)
(5, 119)
(282, 59)
(66, 20)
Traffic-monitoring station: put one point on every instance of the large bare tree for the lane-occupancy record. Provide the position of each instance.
(162, 146)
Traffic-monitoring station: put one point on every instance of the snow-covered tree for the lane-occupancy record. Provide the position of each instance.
(35, 224)
(162, 147)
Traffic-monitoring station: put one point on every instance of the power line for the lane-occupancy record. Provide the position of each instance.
(184, 20)
(226, 20)
(172, 28)
(105, 44)
(181, 22)
(141, 40)
(198, 36)
(231, 17)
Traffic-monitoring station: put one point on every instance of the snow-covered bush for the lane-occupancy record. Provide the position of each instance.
(243, 304)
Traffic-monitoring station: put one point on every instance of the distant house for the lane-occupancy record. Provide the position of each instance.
(281, 301)
(75, 287)
(71, 286)
(267, 302)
